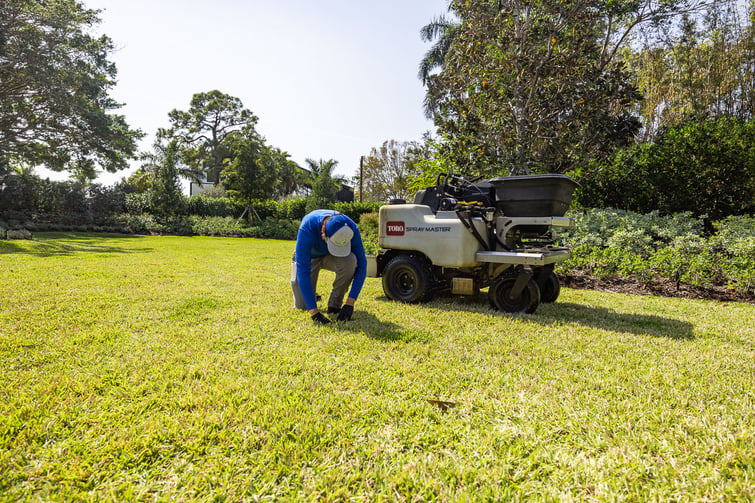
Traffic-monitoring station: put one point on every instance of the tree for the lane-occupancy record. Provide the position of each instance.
(701, 73)
(526, 85)
(388, 170)
(202, 131)
(289, 174)
(54, 82)
(252, 169)
(165, 196)
(705, 167)
(321, 178)
(145, 176)
(324, 185)
(539, 85)
(441, 31)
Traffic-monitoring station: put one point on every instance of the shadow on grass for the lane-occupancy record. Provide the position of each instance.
(369, 324)
(9, 247)
(67, 244)
(570, 313)
(608, 319)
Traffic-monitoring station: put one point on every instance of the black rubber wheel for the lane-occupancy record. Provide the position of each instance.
(499, 295)
(407, 279)
(550, 288)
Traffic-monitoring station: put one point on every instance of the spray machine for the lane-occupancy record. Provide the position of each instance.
(463, 235)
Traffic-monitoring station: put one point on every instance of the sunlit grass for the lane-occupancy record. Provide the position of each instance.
(164, 368)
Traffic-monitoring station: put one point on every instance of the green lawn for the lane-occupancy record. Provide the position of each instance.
(175, 368)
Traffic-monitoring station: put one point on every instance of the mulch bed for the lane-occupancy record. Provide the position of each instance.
(657, 286)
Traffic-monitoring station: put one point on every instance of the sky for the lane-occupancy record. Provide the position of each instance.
(328, 79)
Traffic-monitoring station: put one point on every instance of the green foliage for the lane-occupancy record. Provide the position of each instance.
(293, 209)
(219, 226)
(188, 226)
(137, 203)
(434, 162)
(54, 103)
(251, 170)
(317, 203)
(355, 210)
(289, 209)
(646, 246)
(597, 227)
(533, 87)
(707, 168)
(441, 31)
(731, 231)
(387, 170)
(277, 228)
(702, 71)
(165, 197)
(369, 228)
(213, 207)
(204, 131)
(324, 186)
(106, 201)
(26, 197)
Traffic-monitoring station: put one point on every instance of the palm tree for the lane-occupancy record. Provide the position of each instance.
(144, 177)
(324, 184)
(442, 32)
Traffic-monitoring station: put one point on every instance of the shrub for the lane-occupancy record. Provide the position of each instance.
(264, 209)
(369, 228)
(354, 210)
(204, 206)
(105, 202)
(293, 209)
(18, 234)
(137, 203)
(277, 228)
(217, 226)
(613, 242)
(707, 167)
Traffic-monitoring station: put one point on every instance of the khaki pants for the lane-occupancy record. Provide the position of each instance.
(344, 267)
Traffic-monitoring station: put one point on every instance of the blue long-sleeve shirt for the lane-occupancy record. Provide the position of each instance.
(310, 244)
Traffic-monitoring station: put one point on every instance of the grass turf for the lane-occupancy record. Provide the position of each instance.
(157, 368)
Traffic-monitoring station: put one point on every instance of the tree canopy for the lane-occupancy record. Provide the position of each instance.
(217, 138)
(253, 168)
(54, 81)
(388, 169)
(202, 131)
(539, 85)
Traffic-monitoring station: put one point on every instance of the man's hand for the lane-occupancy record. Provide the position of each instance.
(345, 313)
(320, 318)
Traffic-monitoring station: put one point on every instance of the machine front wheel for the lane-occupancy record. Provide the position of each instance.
(501, 295)
(550, 288)
(407, 279)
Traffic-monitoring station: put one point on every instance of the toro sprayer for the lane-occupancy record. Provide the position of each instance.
(463, 235)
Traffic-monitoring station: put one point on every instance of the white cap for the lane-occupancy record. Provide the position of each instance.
(339, 244)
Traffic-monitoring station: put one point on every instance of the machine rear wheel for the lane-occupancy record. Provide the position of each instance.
(407, 279)
(501, 298)
(550, 288)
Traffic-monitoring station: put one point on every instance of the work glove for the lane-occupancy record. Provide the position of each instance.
(345, 313)
(320, 318)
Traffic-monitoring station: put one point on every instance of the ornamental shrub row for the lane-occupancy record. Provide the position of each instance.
(646, 246)
(26, 197)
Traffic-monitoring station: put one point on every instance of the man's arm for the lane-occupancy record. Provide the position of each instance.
(304, 242)
(357, 248)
